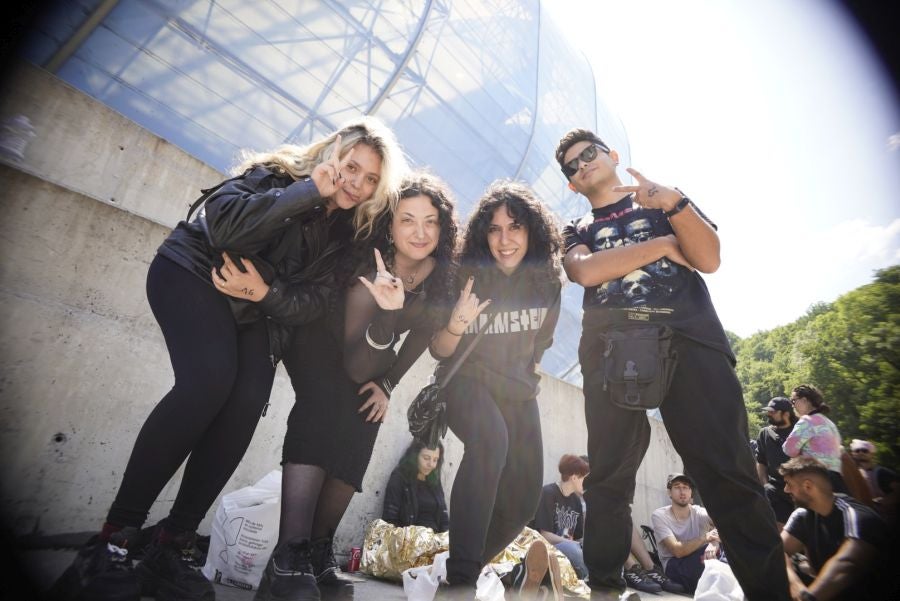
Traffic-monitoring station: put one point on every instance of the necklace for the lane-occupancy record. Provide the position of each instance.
(408, 280)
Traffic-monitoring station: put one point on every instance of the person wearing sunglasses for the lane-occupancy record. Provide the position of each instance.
(703, 407)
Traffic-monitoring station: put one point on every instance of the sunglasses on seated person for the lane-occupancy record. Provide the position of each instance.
(587, 155)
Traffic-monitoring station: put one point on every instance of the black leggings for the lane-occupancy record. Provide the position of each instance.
(223, 377)
(498, 484)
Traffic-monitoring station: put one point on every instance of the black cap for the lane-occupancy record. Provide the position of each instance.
(675, 477)
(778, 403)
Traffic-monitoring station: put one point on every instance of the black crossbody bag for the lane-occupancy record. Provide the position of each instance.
(638, 366)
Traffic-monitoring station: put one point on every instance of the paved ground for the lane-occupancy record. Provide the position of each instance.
(43, 566)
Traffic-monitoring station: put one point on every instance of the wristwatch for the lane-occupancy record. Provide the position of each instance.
(807, 596)
(679, 206)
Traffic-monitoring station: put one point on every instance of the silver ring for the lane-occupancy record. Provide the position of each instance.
(383, 275)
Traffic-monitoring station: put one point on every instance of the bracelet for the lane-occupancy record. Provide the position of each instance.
(452, 334)
(679, 206)
(387, 387)
(375, 345)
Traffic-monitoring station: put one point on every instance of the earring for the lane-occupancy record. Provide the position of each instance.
(390, 238)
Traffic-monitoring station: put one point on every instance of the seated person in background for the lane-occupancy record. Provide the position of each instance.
(845, 541)
(414, 495)
(684, 533)
(560, 514)
(770, 455)
(883, 482)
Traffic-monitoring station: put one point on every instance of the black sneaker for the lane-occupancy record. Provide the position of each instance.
(635, 579)
(100, 571)
(324, 565)
(170, 571)
(667, 584)
(289, 575)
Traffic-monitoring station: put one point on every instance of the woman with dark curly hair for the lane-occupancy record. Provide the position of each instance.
(343, 388)
(511, 255)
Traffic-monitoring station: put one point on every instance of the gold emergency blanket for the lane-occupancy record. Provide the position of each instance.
(389, 550)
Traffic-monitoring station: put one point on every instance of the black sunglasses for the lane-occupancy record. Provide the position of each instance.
(587, 155)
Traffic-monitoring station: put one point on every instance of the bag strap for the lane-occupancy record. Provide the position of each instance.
(205, 194)
(459, 360)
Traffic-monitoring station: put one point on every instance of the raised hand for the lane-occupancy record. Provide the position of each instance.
(377, 403)
(386, 289)
(466, 310)
(649, 194)
(247, 285)
(327, 174)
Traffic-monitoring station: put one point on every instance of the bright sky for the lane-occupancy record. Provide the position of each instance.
(774, 117)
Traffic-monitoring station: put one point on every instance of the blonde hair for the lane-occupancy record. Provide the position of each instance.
(299, 162)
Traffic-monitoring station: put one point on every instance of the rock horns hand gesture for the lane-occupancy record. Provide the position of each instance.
(385, 288)
(466, 310)
(327, 174)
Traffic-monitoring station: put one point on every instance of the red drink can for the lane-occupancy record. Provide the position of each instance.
(355, 555)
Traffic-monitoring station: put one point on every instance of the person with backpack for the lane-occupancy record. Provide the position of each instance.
(226, 289)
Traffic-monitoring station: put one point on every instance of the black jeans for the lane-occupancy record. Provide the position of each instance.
(223, 377)
(498, 483)
(705, 417)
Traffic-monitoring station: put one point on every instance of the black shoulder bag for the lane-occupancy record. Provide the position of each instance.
(427, 414)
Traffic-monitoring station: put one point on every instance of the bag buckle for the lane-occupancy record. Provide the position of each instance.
(630, 379)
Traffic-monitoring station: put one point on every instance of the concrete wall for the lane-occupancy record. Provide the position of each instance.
(84, 362)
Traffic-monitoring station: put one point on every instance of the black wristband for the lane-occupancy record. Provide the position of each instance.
(808, 596)
(679, 206)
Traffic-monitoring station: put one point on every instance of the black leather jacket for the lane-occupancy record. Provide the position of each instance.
(281, 226)
(401, 504)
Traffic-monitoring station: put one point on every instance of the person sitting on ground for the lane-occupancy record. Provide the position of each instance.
(560, 514)
(844, 541)
(414, 495)
(770, 455)
(685, 534)
(883, 482)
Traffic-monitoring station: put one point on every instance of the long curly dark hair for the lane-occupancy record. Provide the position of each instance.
(544, 239)
(439, 286)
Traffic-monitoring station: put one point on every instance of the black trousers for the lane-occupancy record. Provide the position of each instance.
(707, 423)
(223, 377)
(498, 483)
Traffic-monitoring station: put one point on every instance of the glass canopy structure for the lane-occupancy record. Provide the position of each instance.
(475, 90)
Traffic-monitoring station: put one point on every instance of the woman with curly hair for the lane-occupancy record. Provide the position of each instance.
(344, 386)
(225, 288)
(511, 256)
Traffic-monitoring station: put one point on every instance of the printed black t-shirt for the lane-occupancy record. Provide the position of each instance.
(662, 292)
(561, 515)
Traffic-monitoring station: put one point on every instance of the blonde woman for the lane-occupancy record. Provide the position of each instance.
(225, 289)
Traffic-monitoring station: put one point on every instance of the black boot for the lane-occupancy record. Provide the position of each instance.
(289, 574)
(101, 571)
(170, 570)
(324, 565)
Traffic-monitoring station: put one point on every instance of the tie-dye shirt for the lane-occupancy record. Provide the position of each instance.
(815, 436)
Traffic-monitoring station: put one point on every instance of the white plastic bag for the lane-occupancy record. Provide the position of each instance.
(717, 583)
(244, 533)
(421, 584)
